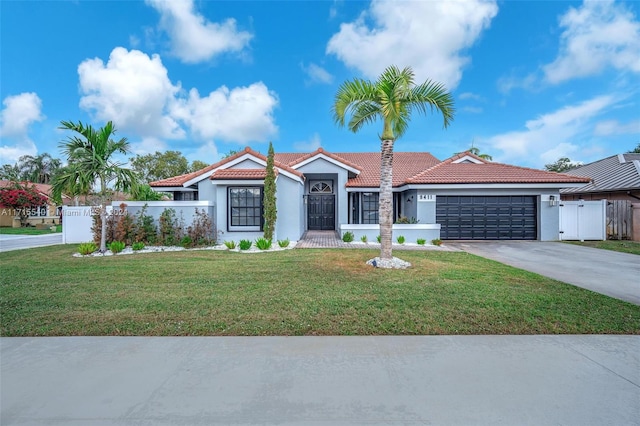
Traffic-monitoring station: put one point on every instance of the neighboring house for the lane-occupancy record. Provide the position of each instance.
(612, 178)
(48, 214)
(463, 197)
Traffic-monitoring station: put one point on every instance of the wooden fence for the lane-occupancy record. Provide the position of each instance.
(619, 220)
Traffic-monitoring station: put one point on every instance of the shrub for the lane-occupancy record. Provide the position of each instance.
(400, 239)
(363, 238)
(125, 226)
(245, 244)
(116, 246)
(146, 230)
(87, 248)
(421, 241)
(283, 243)
(263, 243)
(347, 237)
(436, 242)
(230, 244)
(137, 246)
(168, 224)
(186, 241)
(201, 230)
(378, 238)
(405, 220)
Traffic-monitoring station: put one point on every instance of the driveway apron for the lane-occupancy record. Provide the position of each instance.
(603, 271)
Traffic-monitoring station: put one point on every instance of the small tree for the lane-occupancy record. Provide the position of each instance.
(563, 164)
(270, 210)
(22, 199)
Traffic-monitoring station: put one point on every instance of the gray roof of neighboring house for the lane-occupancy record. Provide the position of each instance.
(616, 173)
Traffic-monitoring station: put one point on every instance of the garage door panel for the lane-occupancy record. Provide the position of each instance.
(487, 217)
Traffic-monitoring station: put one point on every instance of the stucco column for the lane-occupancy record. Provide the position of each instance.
(635, 222)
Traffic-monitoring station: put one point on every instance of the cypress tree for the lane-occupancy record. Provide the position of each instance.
(270, 211)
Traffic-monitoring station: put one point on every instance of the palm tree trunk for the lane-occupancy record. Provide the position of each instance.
(385, 212)
(103, 217)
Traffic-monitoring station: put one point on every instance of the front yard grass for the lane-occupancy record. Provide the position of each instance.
(623, 246)
(47, 292)
(28, 231)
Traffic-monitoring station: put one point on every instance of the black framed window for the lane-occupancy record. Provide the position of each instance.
(245, 206)
(370, 206)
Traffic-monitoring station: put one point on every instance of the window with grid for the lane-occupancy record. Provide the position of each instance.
(370, 207)
(245, 206)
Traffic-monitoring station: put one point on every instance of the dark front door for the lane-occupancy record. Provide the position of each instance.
(321, 212)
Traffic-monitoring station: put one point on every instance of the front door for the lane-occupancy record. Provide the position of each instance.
(321, 212)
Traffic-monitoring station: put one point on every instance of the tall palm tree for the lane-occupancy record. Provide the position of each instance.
(391, 98)
(90, 154)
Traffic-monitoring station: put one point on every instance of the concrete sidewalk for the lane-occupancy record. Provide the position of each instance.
(436, 380)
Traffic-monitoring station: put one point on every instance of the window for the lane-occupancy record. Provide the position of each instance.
(321, 186)
(370, 207)
(245, 207)
(185, 196)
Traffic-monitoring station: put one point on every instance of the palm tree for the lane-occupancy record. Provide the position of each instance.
(38, 169)
(90, 154)
(391, 98)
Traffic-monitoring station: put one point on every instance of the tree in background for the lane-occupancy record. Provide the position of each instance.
(197, 165)
(563, 164)
(392, 98)
(39, 169)
(636, 150)
(22, 199)
(91, 157)
(270, 210)
(229, 154)
(160, 165)
(145, 193)
(476, 151)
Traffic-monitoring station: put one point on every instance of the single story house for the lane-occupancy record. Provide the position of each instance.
(612, 178)
(38, 215)
(463, 197)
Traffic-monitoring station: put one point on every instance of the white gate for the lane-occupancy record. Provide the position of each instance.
(583, 220)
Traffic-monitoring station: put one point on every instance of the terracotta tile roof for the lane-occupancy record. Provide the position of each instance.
(182, 179)
(302, 157)
(449, 172)
(408, 168)
(239, 174)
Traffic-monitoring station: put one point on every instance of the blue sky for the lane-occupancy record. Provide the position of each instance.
(532, 81)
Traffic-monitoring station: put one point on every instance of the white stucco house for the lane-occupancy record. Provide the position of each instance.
(462, 197)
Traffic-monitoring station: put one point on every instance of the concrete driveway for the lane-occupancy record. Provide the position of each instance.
(18, 242)
(603, 271)
(372, 380)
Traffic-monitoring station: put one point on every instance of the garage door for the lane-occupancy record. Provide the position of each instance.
(486, 218)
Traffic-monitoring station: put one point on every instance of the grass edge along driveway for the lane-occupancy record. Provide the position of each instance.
(47, 292)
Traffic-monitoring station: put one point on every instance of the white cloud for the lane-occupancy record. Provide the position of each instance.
(148, 145)
(208, 152)
(316, 74)
(614, 127)
(192, 37)
(430, 36)
(469, 95)
(548, 137)
(241, 115)
(472, 110)
(19, 113)
(135, 92)
(132, 90)
(597, 35)
(308, 146)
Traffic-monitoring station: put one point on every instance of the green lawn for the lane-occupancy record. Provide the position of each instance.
(46, 292)
(28, 231)
(632, 247)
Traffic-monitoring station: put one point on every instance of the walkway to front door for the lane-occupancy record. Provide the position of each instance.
(321, 239)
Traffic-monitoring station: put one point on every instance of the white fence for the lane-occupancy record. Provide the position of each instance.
(583, 220)
(77, 220)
